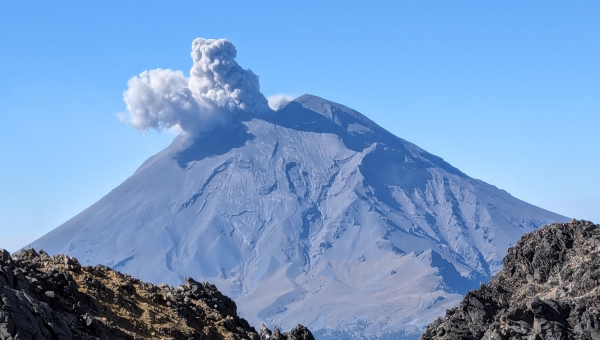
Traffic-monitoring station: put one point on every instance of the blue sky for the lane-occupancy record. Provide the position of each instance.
(506, 91)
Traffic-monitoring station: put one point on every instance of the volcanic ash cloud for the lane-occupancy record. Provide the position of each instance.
(218, 92)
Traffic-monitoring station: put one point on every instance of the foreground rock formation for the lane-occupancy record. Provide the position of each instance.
(549, 289)
(54, 297)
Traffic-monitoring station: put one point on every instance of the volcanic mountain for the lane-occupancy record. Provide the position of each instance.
(312, 214)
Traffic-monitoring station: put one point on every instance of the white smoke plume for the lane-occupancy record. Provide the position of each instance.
(218, 92)
(278, 101)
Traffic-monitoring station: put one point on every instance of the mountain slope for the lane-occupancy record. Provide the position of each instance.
(312, 214)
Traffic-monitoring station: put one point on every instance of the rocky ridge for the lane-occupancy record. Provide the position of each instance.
(54, 297)
(549, 288)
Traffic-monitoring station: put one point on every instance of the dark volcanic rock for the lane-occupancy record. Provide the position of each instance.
(53, 297)
(549, 288)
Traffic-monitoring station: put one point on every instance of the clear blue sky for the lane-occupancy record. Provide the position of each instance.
(507, 91)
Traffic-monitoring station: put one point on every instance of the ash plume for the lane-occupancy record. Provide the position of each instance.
(218, 92)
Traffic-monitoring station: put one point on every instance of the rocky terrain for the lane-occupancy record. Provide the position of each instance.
(54, 297)
(549, 288)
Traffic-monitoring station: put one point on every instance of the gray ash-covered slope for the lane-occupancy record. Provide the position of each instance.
(312, 214)
(55, 298)
(549, 289)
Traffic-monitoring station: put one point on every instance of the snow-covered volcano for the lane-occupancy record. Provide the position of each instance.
(312, 214)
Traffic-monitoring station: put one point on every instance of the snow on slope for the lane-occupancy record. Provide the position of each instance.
(312, 215)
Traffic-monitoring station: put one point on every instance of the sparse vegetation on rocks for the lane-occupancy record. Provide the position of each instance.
(54, 297)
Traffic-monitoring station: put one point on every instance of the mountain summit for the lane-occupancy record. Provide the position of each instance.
(311, 214)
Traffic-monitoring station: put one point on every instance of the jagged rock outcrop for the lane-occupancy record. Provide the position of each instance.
(549, 288)
(54, 297)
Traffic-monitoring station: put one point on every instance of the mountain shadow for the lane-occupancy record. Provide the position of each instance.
(214, 143)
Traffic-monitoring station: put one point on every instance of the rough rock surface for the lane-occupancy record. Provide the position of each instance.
(54, 297)
(549, 289)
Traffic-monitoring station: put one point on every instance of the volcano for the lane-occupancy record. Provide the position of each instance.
(311, 214)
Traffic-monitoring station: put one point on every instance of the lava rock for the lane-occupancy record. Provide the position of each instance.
(549, 288)
(54, 297)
